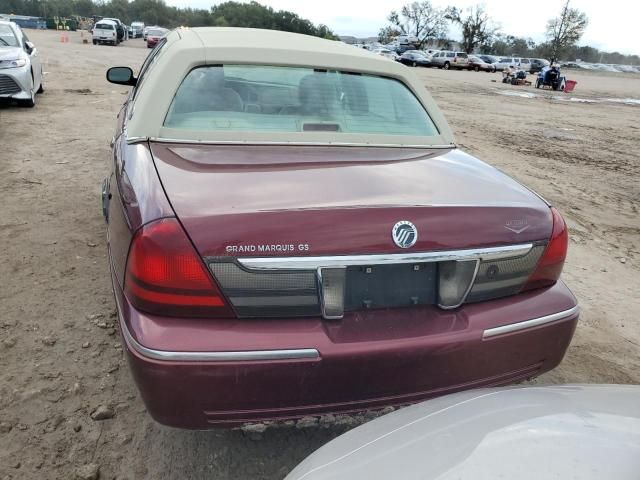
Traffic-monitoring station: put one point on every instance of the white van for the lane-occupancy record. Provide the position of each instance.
(504, 62)
(105, 31)
(136, 29)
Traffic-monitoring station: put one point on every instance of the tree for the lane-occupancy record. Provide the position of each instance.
(387, 34)
(565, 31)
(255, 15)
(475, 23)
(419, 19)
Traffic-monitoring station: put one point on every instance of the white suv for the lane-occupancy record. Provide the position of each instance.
(448, 59)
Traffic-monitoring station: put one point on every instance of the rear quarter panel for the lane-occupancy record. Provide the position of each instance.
(137, 198)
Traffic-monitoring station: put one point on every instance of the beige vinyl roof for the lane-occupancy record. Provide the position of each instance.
(188, 48)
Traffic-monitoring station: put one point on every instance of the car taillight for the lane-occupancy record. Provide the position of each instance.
(166, 276)
(549, 267)
(538, 268)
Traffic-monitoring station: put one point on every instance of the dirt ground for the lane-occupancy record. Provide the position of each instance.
(60, 355)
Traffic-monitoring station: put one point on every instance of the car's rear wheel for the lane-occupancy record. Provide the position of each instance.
(446, 66)
(476, 68)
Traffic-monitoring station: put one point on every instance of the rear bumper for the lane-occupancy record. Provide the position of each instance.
(206, 373)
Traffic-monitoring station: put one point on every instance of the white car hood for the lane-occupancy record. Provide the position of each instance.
(531, 433)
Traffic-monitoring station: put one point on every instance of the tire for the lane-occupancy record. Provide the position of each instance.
(446, 65)
(476, 68)
(41, 88)
(414, 64)
(30, 103)
(95, 42)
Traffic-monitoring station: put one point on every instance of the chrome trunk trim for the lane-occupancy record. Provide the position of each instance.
(466, 292)
(298, 144)
(313, 263)
(534, 322)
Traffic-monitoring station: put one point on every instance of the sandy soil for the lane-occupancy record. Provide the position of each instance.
(60, 355)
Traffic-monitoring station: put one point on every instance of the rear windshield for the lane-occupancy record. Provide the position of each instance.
(254, 98)
(155, 33)
(104, 26)
(7, 37)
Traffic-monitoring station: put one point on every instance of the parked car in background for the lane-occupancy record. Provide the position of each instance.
(136, 29)
(514, 62)
(294, 239)
(406, 39)
(504, 62)
(145, 30)
(448, 59)
(154, 35)
(385, 52)
(404, 47)
(587, 432)
(538, 64)
(415, 58)
(121, 28)
(477, 64)
(525, 64)
(105, 31)
(20, 66)
(492, 59)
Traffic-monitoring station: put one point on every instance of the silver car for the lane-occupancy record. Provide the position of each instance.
(586, 432)
(447, 59)
(20, 67)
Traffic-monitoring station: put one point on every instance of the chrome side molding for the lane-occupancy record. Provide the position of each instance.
(314, 263)
(218, 356)
(238, 356)
(534, 322)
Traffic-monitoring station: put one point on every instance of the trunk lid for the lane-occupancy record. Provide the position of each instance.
(244, 201)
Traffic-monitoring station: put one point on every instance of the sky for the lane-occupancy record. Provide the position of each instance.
(612, 26)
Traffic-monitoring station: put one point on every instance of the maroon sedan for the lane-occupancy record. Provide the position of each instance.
(154, 35)
(292, 231)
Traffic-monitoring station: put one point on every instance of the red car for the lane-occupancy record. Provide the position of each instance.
(292, 232)
(154, 35)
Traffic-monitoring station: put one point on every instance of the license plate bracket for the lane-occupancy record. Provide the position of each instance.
(383, 286)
